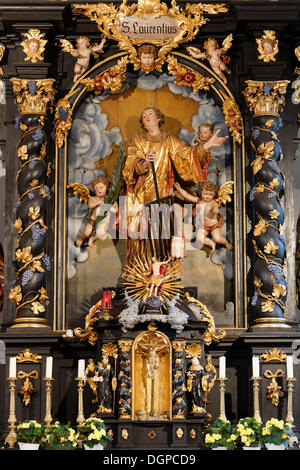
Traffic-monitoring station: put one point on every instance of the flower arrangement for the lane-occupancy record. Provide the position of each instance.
(30, 431)
(94, 432)
(221, 434)
(277, 432)
(60, 437)
(249, 432)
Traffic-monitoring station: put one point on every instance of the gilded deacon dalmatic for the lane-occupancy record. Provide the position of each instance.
(167, 153)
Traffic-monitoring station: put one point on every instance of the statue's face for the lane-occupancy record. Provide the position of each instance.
(267, 47)
(147, 60)
(149, 118)
(33, 45)
(82, 43)
(100, 189)
(205, 133)
(207, 196)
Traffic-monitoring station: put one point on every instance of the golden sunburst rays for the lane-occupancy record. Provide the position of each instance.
(138, 280)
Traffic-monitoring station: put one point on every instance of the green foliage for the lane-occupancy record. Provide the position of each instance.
(93, 431)
(277, 432)
(221, 434)
(30, 431)
(60, 437)
(249, 432)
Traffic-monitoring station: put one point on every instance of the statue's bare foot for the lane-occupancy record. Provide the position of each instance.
(91, 241)
(79, 242)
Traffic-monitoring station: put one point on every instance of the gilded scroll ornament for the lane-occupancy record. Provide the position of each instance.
(274, 355)
(28, 356)
(233, 119)
(151, 22)
(2, 51)
(267, 46)
(63, 120)
(34, 45)
(212, 334)
(112, 79)
(186, 77)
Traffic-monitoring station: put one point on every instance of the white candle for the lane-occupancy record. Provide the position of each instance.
(289, 367)
(49, 364)
(13, 367)
(81, 367)
(222, 367)
(255, 366)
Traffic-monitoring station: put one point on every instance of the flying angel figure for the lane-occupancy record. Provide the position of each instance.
(102, 204)
(208, 217)
(215, 55)
(82, 53)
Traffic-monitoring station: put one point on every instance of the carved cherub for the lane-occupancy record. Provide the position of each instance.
(82, 53)
(102, 204)
(215, 55)
(97, 222)
(267, 46)
(33, 45)
(208, 204)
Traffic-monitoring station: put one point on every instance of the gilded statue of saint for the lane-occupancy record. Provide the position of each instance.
(156, 151)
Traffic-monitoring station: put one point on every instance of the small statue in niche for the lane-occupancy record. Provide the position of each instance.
(194, 386)
(215, 55)
(208, 217)
(82, 53)
(33, 45)
(267, 46)
(100, 379)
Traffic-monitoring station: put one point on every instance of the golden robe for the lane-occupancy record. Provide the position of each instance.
(170, 153)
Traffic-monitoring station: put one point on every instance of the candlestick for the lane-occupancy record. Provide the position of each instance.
(222, 367)
(12, 367)
(289, 367)
(255, 366)
(80, 416)
(11, 438)
(222, 397)
(256, 397)
(290, 384)
(48, 387)
(49, 365)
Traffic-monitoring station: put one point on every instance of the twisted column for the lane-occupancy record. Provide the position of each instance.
(265, 101)
(28, 291)
(125, 380)
(179, 389)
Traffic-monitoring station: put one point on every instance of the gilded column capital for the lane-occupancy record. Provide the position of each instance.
(265, 97)
(33, 96)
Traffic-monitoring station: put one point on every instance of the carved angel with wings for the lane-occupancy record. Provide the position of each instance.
(215, 55)
(82, 53)
(208, 217)
(102, 205)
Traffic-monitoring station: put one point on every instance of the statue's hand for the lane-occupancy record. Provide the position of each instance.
(215, 140)
(151, 157)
